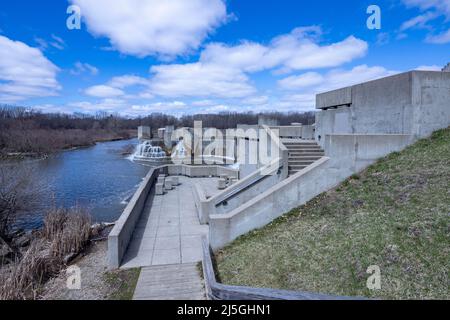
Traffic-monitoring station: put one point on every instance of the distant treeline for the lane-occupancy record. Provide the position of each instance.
(25, 130)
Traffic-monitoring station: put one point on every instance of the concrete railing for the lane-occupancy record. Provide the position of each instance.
(297, 132)
(247, 188)
(345, 156)
(218, 291)
(122, 232)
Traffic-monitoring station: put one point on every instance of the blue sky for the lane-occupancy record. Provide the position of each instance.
(135, 57)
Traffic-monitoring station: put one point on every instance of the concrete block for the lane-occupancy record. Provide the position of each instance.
(168, 184)
(159, 189)
(175, 181)
(222, 184)
(161, 180)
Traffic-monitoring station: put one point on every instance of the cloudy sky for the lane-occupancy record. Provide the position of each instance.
(135, 57)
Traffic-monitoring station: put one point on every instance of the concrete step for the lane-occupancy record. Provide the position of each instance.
(309, 146)
(305, 158)
(306, 154)
(300, 162)
(308, 149)
(296, 168)
(289, 145)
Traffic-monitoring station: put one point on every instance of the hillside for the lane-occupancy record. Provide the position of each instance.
(395, 214)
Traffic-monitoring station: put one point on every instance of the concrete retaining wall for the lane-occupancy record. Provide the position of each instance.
(122, 232)
(348, 154)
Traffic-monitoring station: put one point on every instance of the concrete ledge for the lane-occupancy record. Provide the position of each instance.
(200, 201)
(269, 205)
(218, 291)
(335, 98)
(122, 232)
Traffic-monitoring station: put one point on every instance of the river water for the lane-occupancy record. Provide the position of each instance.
(98, 178)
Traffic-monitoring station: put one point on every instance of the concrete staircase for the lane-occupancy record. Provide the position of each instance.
(302, 153)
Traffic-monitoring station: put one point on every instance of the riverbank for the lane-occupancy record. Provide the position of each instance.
(41, 143)
(37, 269)
(97, 282)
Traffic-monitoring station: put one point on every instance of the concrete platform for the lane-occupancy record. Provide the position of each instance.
(172, 282)
(169, 231)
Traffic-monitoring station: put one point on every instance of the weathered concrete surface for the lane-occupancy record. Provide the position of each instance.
(169, 231)
(171, 282)
(335, 98)
(348, 155)
(121, 234)
(416, 102)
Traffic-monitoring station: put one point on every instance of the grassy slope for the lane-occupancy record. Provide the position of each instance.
(396, 215)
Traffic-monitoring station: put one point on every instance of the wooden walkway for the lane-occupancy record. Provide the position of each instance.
(170, 282)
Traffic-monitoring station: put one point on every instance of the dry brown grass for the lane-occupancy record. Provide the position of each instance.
(65, 233)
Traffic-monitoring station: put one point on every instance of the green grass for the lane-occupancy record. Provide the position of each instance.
(395, 214)
(122, 283)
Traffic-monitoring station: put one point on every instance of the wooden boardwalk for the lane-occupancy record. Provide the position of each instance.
(170, 282)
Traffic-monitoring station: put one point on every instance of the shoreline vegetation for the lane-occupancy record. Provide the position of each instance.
(28, 133)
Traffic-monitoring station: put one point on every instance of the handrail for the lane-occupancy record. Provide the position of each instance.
(219, 291)
(256, 176)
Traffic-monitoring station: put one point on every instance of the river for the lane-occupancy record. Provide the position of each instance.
(98, 178)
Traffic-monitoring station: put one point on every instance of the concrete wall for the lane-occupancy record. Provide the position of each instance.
(122, 232)
(414, 103)
(347, 154)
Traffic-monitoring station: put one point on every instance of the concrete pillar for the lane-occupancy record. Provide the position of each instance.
(161, 180)
(168, 136)
(168, 184)
(144, 133)
(222, 184)
(159, 189)
(175, 181)
(267, 121)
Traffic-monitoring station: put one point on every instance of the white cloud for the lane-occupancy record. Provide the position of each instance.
(199, 80)
(81, 67)
(108, 105)
(304, 80)
(153, 27)
(159, 107)
(315, 82)
(298, 50)
(441, 38)
(125, 81)
(441, 6)
(104, 91)
(418, 22)
(437, 8)
(25, 72)
(256, 100)
(429, 68)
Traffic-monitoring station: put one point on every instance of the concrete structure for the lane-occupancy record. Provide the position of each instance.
(170, 282)
(414, 103)
(446, 68)
(264, 120)
(168, 131)
(355, 126)
(144, 133)
(159, 189)
(138, 209)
